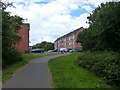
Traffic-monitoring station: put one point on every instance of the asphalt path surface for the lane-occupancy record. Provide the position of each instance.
(34, 75)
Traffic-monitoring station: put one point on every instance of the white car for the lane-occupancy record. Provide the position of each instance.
(50, 50)
(63, 49)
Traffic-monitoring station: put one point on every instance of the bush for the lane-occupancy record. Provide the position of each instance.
(103, 64)
(10, 56)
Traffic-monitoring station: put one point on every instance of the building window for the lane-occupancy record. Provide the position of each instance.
(73, 42)
(65, 39)
(73, 36)
(69, 43)
(69, 38)
(65, 44)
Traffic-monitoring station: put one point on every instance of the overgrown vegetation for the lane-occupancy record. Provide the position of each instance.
(104, 64)
(67, 74)
(10, 27)
(44, 45)
(102, 37)
(104, 31)
(9, 70)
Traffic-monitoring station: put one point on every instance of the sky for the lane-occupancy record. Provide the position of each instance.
(50, 19)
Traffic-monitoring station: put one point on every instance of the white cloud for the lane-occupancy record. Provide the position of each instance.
(88, 8)
(53, 19)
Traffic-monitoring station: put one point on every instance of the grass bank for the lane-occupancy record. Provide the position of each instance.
(8, 72)
(67, 74)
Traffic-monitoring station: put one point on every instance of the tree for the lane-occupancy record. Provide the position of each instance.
(10, 27)
(104, 30)
(44, 45)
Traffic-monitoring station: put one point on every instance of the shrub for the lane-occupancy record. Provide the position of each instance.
(10, 56)
(103, 64)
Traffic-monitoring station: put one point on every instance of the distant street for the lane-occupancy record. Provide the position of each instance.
(34, 75)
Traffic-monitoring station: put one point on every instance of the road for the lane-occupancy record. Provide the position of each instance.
(35, 75)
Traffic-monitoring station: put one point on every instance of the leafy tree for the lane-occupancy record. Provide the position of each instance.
(10, 27)
(104, 30)
(44, 45)
(85, 39)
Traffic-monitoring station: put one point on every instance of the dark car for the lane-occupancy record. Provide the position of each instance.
(57, 50)
(37, 51)
(69, 50)
(75, 50)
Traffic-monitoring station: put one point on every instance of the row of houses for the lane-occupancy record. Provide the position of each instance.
(65, 41)
(69, 40)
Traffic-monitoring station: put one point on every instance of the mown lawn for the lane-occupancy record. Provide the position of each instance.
(8, 72)
(67, 74)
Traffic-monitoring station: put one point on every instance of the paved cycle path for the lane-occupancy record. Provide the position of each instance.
(34, 75)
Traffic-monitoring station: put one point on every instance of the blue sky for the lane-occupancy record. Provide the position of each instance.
(50, 19)
(41, 2)
(78, 12)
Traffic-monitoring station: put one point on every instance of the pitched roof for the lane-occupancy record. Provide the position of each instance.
(69, 33)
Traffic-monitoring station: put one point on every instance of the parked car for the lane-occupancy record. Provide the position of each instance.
(58, 50)
(75, 50)
(55, 50)
(63, 49)
(37, 51)
(50, 51)
(69, 50)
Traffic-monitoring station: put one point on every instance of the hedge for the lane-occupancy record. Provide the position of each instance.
(104, 64)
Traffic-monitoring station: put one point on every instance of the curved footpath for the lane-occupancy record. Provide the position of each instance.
(34, 75)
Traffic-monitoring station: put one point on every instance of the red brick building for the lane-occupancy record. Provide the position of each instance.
(23, 45)
(68, 40)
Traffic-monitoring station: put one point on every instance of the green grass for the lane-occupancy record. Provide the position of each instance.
(8, 72)
(31, 56)
(67, 74)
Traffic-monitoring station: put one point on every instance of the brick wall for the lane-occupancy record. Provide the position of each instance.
(24, 43)
(68, 40)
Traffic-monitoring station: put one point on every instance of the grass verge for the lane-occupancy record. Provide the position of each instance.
(8, 72)
(67, 74)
